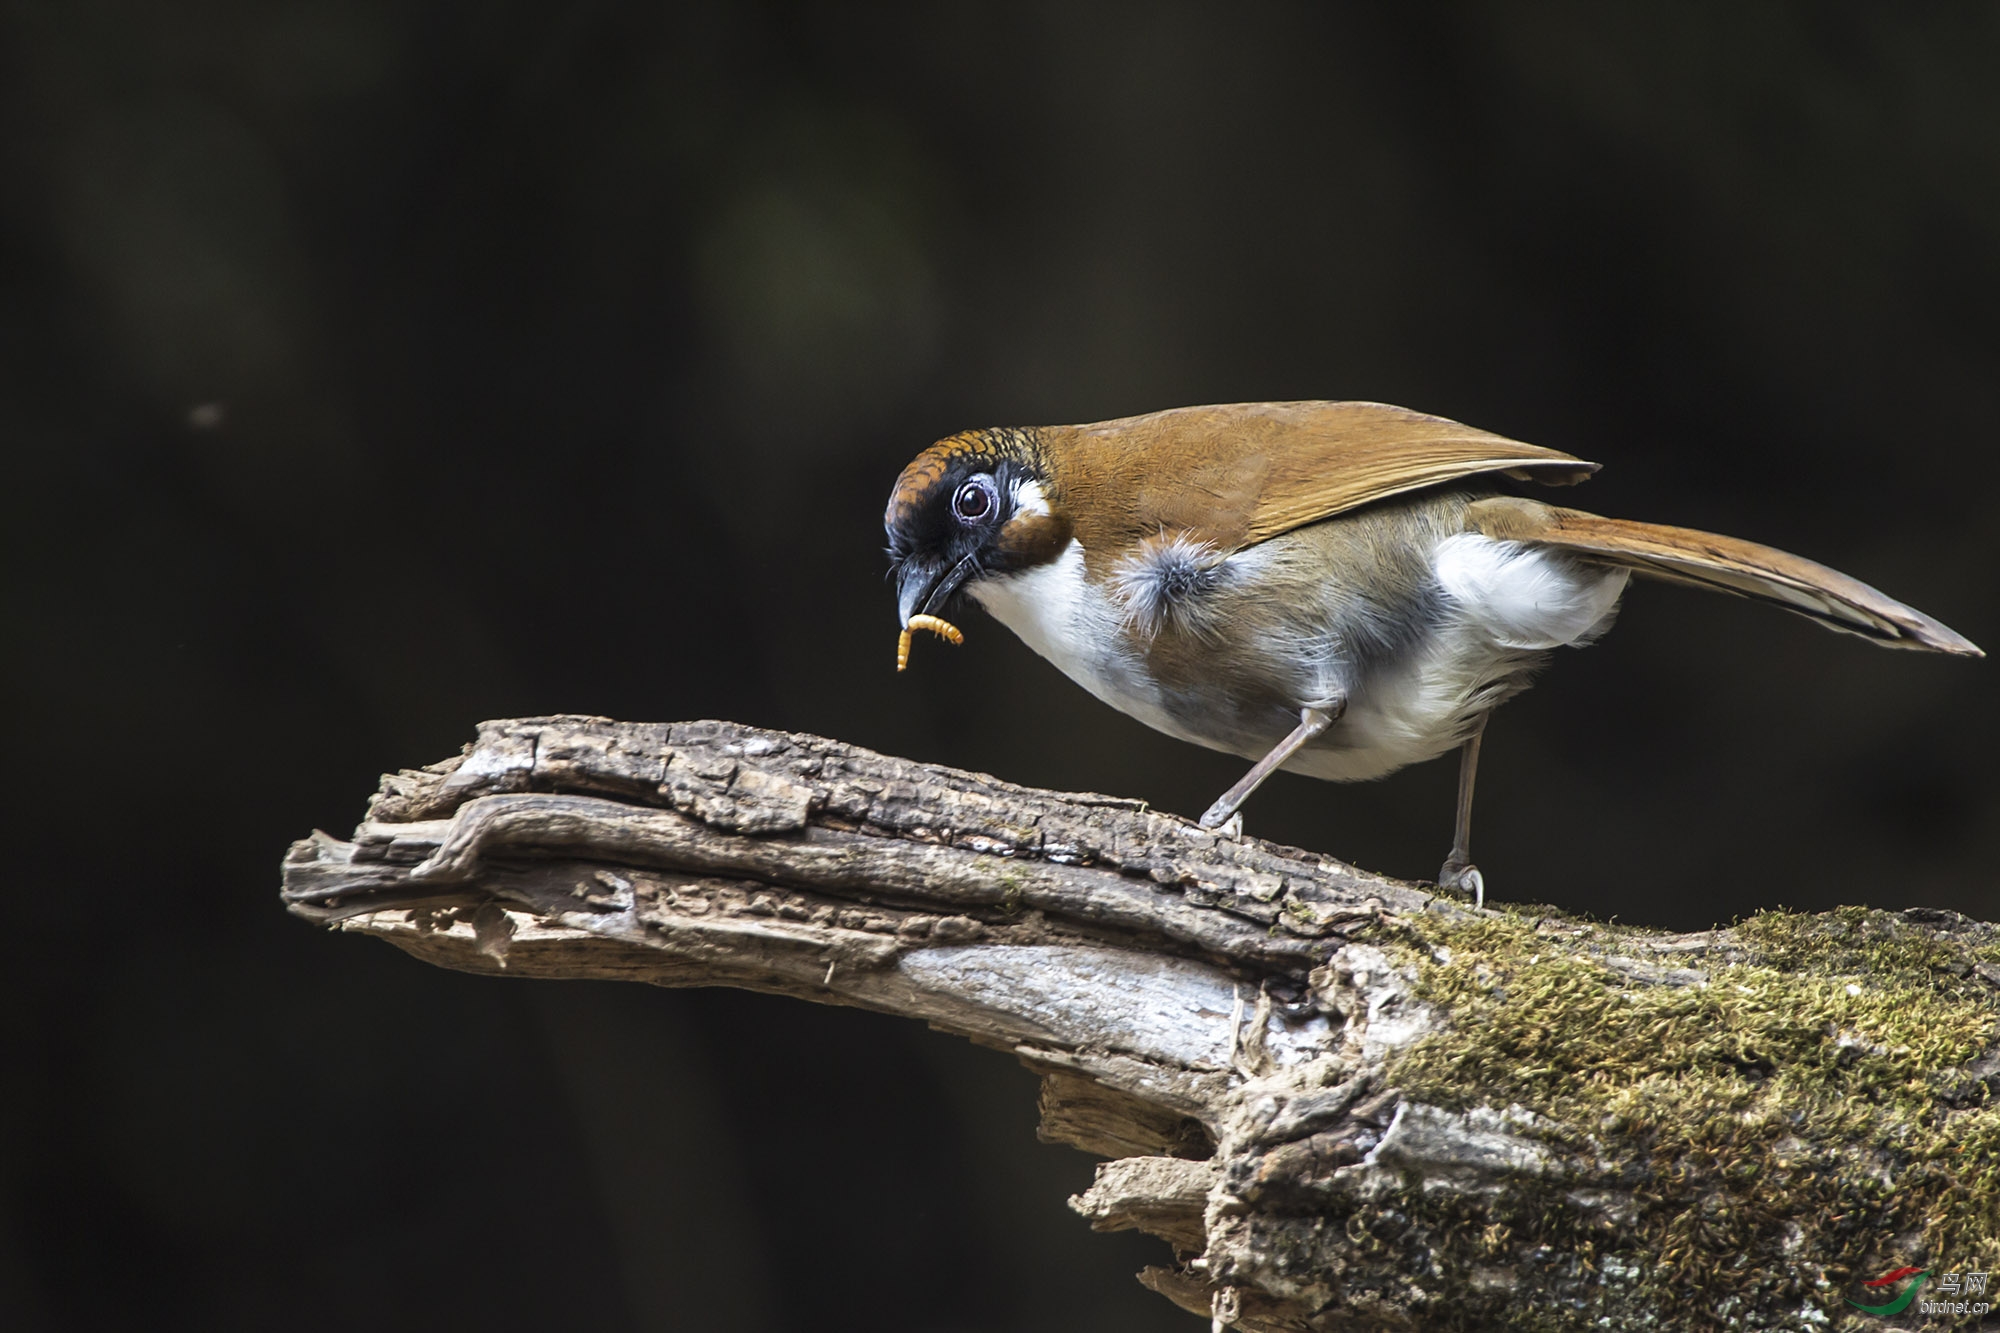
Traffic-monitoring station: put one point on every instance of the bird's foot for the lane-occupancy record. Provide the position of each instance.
(1463, 877)
(1225, 817)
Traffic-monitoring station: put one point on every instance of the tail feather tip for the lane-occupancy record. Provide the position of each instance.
(1940, 638)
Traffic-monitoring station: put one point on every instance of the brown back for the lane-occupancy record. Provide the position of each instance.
(1241, 473)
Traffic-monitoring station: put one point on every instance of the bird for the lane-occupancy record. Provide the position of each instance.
(1338, 589)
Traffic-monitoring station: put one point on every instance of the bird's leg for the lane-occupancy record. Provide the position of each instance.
(1312, 721)
(1459, 873)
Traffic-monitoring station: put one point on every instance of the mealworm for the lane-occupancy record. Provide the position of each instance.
(944, 629)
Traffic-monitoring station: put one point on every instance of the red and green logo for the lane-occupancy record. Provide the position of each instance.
(1902, 1302)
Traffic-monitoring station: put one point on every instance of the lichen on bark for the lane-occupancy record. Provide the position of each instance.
(1789, 1108)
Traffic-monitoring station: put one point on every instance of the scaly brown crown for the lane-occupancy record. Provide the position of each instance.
(951, 459)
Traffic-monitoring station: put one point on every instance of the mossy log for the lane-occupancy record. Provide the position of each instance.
(1344, 1101)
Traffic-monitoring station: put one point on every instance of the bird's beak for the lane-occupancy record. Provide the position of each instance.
(924, 586)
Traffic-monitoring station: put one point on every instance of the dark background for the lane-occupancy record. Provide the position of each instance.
(370, 369)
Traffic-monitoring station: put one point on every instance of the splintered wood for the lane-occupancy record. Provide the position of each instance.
(1346, 1104)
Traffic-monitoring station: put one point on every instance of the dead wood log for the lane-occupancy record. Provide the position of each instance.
(1345, 1102)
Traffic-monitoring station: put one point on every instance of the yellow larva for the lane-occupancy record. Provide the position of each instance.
(944, 629)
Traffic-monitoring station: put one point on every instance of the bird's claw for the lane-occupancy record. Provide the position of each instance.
(1463, 877)
(1223, 819)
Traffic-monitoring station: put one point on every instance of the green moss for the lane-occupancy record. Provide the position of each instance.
(1732, 1107)
(1012, 886)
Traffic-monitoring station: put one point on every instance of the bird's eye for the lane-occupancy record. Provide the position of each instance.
(976, 501)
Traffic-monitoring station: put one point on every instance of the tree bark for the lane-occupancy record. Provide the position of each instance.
(1345, 1102)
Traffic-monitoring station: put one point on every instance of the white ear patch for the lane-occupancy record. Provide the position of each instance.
(1526, 597)
(1166, 581)
(1029, 499)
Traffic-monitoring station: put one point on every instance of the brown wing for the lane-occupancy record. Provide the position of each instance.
(1242, 473)
(1725, 564)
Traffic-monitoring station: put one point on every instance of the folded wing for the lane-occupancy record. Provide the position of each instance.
(1236, 474)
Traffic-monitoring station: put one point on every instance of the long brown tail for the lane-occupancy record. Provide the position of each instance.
(1705, 560)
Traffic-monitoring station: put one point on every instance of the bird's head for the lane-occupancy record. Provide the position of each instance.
(976, 505)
